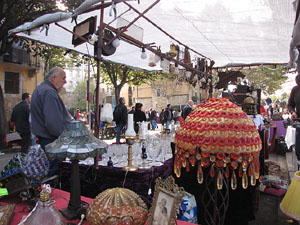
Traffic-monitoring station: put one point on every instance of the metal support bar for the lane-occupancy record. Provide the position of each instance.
(166, 33)
(100, 35)
(132, 22)
(141, 44)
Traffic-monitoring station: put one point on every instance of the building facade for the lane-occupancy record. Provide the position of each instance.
(20, 72)
(158, 94)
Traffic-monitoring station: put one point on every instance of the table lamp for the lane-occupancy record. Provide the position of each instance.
(219, 136)
(130, 137)
(290, 203)
(75, 143)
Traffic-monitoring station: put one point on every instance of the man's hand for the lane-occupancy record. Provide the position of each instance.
(294, 115)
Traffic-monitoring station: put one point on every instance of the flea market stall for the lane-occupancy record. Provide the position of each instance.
(215, 152)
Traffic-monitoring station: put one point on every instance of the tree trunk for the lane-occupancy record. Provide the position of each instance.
(3, 121)
(117, 94)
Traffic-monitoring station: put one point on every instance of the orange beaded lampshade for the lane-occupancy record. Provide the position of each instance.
(218, 134)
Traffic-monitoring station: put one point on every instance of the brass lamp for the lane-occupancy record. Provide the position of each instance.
(130, 137)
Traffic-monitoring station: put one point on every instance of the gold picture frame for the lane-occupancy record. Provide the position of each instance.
(166, 202)
(6, 213)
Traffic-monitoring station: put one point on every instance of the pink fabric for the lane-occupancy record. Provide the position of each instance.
(276, 192)
(61, 201)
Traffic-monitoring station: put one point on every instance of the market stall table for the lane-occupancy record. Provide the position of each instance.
(94, 181)
(61, 199)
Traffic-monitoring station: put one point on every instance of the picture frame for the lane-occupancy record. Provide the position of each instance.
(166, 202)
(6, 213)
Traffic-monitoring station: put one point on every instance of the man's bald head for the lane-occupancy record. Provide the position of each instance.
(57, 77)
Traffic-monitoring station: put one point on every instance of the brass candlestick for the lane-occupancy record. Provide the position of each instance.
(130, 140)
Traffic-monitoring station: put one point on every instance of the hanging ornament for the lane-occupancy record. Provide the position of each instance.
(220, 180)
(233, 181)
(200, 174)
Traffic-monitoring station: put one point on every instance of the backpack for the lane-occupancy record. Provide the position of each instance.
(117, 113)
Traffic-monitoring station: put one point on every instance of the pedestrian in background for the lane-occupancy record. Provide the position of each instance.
(120, 117)
(20, 117)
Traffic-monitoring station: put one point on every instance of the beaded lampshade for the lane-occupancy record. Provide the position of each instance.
(218, 134)
(117, 206)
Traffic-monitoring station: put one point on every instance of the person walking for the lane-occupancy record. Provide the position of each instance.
(139, 116)
(168, 116)
(161, 116)
(120, 117)
(48, 112)
(20, 117)
(187, 109)
(294, 109)
(153, 118)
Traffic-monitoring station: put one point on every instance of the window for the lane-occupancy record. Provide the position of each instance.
(11, 84)
(158, 92)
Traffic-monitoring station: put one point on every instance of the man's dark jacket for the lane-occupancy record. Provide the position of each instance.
(20, 116)
(294, 101)
(48, 112)
(186, 111)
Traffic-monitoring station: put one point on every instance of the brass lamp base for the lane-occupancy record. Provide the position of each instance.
(130, 168)
(130, 140)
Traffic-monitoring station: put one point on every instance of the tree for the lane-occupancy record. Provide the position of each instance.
(80, 95)
(15, 12)
(118, 75)
(266, 78)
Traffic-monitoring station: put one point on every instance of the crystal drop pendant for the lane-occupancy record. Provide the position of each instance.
(187, 166)
(250, 170)
(227, 172)
(220, 180)
(233, 181)
(175, 166)
(178, 171)
(257, 166)
(200, 174)
(245, 180)
(184, 163)
(240, 171)
(212, 171)
(253, 180)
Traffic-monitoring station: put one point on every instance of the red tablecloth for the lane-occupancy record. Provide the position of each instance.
(61, 201)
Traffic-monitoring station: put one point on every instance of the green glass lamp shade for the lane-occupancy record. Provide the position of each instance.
(76, 142)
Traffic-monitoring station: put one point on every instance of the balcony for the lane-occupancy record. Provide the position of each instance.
(21, 57)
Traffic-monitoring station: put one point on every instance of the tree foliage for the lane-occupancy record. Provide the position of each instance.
(118, 75)
(15, 12)
(80, 95)
(266, 78)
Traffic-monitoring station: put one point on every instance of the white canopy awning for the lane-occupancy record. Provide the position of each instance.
(228, 32)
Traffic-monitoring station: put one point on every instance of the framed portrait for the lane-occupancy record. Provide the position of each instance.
(166, 203)
(6, 213)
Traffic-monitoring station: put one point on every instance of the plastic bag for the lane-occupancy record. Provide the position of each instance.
(106, 113)
(188, 209)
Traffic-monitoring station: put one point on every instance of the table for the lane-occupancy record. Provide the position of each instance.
(61, 201)
(281, 130)
(94, 181)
